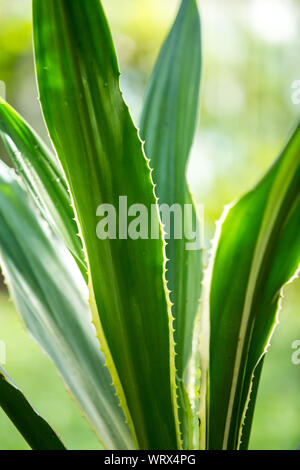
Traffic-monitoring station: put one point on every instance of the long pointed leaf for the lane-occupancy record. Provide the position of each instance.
(167, 126)
(258, 252)
(49, 292)
(102, 157)
(35, 430)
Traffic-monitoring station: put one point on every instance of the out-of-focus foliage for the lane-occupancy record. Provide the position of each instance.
(15, 35)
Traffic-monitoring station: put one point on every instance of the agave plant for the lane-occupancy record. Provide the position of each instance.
(150, 365)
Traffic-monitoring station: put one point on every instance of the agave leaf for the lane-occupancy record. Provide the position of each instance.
(35, 430)
(49, 292)
(102, 157)
(168, 126)
(43, 177)
(257, 254)
(247, 424)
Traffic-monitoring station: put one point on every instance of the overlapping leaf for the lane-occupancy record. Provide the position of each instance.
(49, 292)
(35, 430)
(168, 125)
(258, 252)
(102, 158)
(43, 177)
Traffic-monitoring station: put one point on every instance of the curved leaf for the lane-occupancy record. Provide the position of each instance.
(49, 292)
(35, 430)
(102, 157)
(43, 177)
(258, 252)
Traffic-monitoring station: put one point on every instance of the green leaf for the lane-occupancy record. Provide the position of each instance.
(102, 157)
(42, 176)
(50, 294)
(35, 430)
(257, 254)
(168, 126)
(247, 425)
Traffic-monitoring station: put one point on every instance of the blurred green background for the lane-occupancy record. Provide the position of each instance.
(251, 59)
